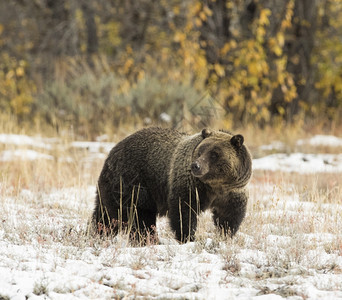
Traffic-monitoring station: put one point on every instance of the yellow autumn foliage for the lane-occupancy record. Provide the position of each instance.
(16, 90)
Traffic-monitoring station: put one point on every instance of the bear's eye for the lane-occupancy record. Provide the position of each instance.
(214, 155)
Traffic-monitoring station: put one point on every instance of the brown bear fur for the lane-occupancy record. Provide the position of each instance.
(159, 171)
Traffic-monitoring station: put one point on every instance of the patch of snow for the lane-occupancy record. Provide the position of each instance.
(23, 154)
(322, 140)
(23, 140)
(165, 117)
(299, 162)
(102, 138)
(276, 145)
(93, 147)
(268, 297)
(278, 240)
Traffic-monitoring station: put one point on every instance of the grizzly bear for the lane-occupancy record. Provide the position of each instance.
(158, 171)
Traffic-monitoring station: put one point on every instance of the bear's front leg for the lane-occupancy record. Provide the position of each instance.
(229, 211)
(183, 218)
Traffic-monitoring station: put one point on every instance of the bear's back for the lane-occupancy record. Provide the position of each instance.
(144, 159)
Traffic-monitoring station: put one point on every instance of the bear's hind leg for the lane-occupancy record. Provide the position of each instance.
(144, 227)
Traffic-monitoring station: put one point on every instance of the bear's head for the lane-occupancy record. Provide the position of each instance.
(222, 159)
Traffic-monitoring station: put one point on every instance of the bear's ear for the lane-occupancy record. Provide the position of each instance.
(206, 132)
(237, 141)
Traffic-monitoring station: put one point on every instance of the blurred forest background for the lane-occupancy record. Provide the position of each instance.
(95, 65)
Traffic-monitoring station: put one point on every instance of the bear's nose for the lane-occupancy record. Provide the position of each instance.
(195, 167)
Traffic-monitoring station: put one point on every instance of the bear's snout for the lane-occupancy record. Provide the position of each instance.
(198, 168)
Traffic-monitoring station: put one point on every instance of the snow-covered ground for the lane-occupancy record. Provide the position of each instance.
(289, 246)
(302, 162)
